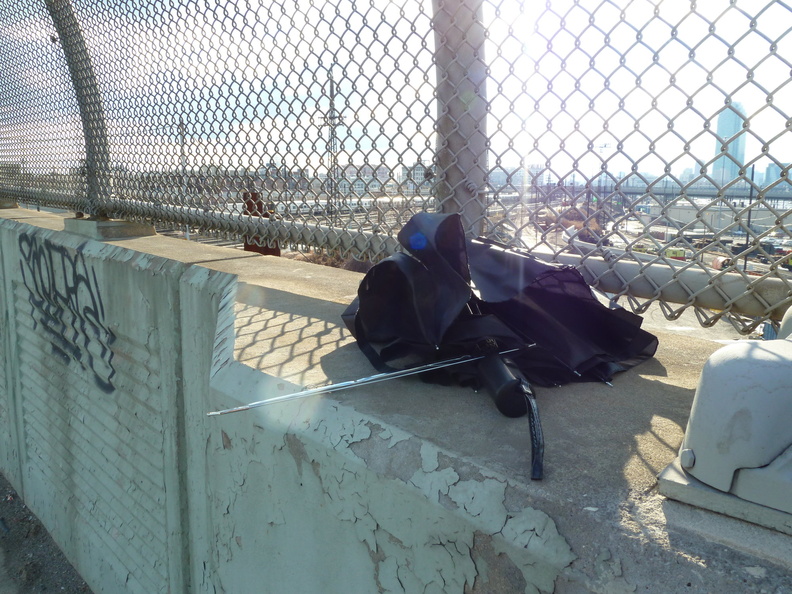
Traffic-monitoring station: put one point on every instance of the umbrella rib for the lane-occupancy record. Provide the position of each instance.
(363, 381)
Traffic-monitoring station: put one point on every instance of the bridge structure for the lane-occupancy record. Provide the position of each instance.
(114, 351)
(115, 342)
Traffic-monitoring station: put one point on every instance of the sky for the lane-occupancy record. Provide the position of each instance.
(577, 86)
(642, 84)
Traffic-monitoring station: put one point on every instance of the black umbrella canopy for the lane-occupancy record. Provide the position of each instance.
(554, 307)
(450, 295)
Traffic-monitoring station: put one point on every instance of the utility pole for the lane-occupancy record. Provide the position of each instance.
(332, 120)
(183, 171)
(748, 230)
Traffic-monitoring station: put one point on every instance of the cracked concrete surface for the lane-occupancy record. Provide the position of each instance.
(435, 485)
(412, 542)
(405, 487)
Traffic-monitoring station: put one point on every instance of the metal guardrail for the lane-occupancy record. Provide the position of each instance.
(643, 142)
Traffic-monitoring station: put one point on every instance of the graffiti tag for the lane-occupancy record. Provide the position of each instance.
(67, 305)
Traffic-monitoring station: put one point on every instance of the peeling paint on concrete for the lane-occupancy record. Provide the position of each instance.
(359, 509)
(429, 458)
(393, 435)
(481, 499)
(495, 572)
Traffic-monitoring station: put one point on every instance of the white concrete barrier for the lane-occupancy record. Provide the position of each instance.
(93, 395)
(113, 353)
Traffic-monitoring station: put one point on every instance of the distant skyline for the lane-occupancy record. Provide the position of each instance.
(732, 150)
(640, 86)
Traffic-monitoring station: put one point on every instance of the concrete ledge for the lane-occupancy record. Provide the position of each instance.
(604, 446)
(677, 484)
(110, 229)
(401, 486)
(8, 203)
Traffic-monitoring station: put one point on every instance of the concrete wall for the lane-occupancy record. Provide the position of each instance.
(92, 399)
(113, 353)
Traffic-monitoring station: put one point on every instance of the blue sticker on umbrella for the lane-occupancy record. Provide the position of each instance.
(418, 241)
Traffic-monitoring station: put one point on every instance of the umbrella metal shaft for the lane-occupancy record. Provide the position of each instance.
(363, 381)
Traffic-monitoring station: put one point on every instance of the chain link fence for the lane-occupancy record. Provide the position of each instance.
(645, 142)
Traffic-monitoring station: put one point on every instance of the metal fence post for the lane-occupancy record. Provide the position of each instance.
(89, 101)
(461, 110)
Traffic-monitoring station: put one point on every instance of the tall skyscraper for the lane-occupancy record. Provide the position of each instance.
(773, 172)
(730, 125)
